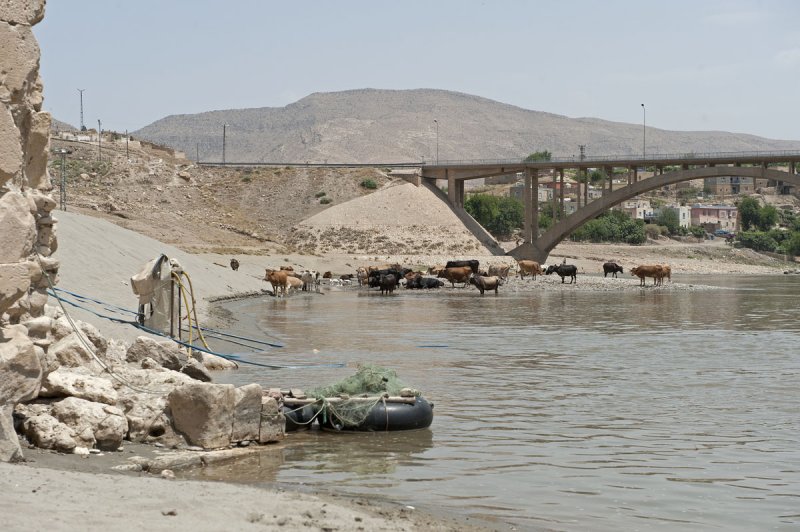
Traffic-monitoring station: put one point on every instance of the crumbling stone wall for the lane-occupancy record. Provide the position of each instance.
(26, 226)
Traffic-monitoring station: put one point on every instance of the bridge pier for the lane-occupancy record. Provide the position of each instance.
(529, 251)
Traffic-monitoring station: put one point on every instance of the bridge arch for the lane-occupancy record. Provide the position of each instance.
(541, 247)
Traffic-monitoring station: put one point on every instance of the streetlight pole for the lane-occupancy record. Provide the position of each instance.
(437, 140)
(99, 140)
(224, 131)
(644, 131)
(83, 127)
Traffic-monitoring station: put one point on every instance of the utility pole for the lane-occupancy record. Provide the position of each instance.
(99, 137)
(437, 140)
(83, 127)
(224, 128)
(197, 152)
(644, 131)
(127, 155)
(63, 200)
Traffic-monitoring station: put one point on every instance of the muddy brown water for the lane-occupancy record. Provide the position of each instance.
(561, 409)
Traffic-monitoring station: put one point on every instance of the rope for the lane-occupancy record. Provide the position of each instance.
(90, 348)
(234, 358)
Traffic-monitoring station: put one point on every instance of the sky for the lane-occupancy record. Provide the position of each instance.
(697, 65)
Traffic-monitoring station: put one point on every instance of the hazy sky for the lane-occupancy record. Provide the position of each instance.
(724, 65)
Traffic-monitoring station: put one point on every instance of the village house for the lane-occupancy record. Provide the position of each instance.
(713, 217)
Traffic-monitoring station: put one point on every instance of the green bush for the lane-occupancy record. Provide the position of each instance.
(697, 231)
(325, 201)
(369, 183)
(612, 226)
(319, 194)
(246, 178)
(757, 240)
(500, 216)
(792, 244)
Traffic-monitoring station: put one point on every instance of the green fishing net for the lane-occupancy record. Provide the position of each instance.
(360, 393)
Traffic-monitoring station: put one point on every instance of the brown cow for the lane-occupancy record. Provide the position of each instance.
(486, 283)
(667, 273)
(436, 270)
(459, 274)
(278, 280)
(656, 271)
(499, 270)
(529, 267)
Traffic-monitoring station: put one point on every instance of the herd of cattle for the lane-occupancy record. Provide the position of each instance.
(387, 278)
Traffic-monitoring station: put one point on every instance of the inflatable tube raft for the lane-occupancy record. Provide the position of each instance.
(298, 417)
(389, 415)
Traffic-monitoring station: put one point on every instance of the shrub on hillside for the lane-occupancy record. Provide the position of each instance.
(369, 183)
(325, 201)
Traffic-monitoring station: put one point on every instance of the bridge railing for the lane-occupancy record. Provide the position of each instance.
(653, 158)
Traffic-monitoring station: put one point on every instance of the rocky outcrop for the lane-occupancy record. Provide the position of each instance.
(63, 386)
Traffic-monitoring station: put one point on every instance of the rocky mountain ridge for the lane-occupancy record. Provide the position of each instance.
(383, 126)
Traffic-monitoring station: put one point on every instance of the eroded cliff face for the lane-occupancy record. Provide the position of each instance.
(27, 230)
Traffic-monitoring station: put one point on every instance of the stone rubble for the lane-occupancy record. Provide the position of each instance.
(63, 386)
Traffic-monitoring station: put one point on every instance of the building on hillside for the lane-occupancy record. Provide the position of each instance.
(684, 214)
(544, 194)
(637, 208)
(731, 185)
(713, 217)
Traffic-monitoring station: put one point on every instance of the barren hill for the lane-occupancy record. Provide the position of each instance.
(381, 126)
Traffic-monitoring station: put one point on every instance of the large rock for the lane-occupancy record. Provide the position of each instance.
(247, 413)
(214, 362)
(144, 399)
(166, 353)
(195, 370)
(46, 432)
(94, 423)
(71, 352)
(20, 369)
(36, 153)
(10, 451)
(10, 146)
(27, 12)
(14, 283)
(204, 413)
(17, 226)
(64, 382)
(273, 422)
(19, 64)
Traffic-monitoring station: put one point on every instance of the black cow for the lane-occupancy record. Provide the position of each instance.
(564, 270)
(374, 279)
(388, 283)
(420, 282)
(234, 264)
(471, 264)
(611, 267)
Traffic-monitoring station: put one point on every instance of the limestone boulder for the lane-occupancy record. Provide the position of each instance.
(14, 283)
(27, 12)
(65, 382)
(195, 370)
(36, 152)
(72, 352)
(10, 146)
(203, 413)
(246, 413)
(272, 426)
(39, 327)
(20, 63)
(46, 432)
(214, 362)
(95, 424)
(20, 368)
(10, 450)
(17, 226)
(166, 354)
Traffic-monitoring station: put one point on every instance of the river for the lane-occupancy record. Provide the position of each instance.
(563, 409)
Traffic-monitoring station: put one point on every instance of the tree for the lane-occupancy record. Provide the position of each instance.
(543, 155)
(669, 218)
(500, 216)
(749, 212)
(767, 217)
(792, 246)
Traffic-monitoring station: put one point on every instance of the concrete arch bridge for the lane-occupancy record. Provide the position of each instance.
(669, 170)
